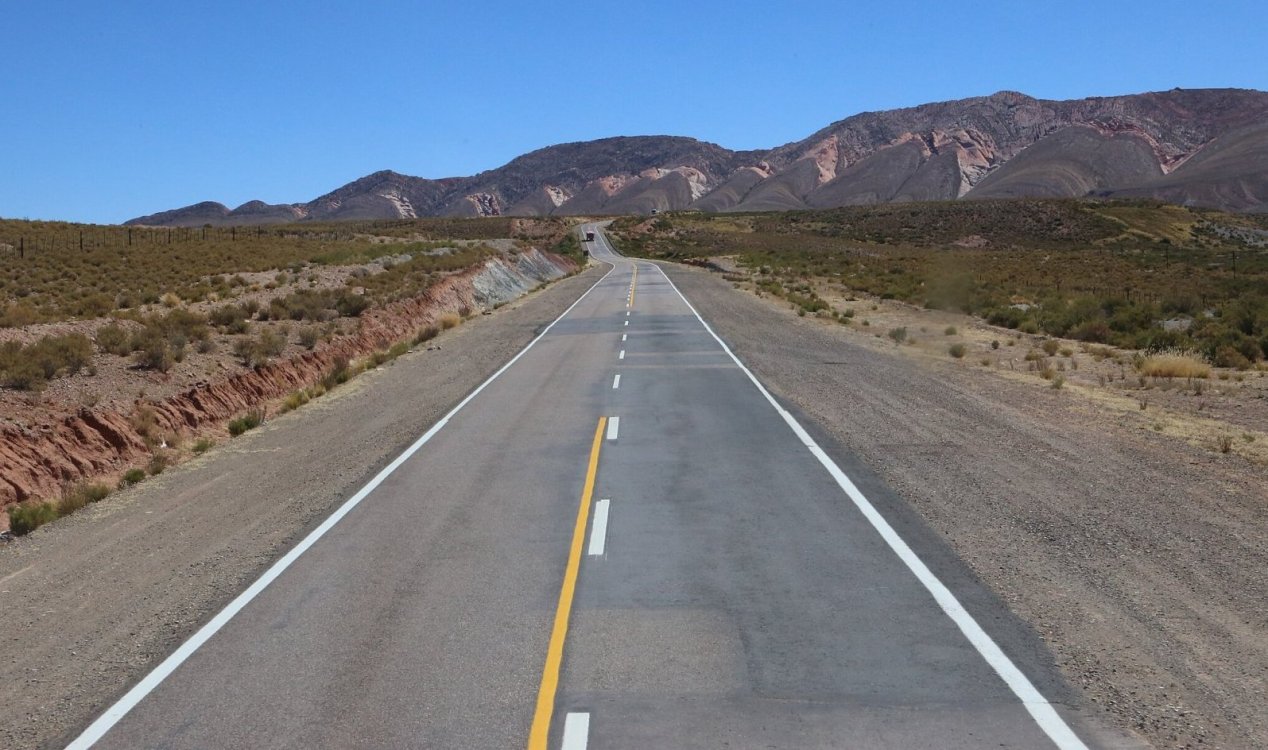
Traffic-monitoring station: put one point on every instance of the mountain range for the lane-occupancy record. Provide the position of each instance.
(1203, 147)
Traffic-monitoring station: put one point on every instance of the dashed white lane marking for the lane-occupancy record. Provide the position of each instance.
(599, 531)
(576, 731)
(616, 381)
(614, 425)
(623, 335)
(621, 355)
(627, 322)
(1040, 708)
(627, 313)
(120, 708)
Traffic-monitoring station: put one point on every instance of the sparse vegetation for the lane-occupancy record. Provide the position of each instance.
(248, 421)
(1106, 276)
(957, 350)
(1174, 365)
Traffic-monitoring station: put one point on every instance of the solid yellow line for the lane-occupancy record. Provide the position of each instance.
(634, 285)
(555, 652)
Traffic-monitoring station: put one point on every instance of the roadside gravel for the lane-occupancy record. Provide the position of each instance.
(1139, 559)
(90, 603)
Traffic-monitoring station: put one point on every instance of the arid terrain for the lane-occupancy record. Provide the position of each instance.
(157, 359)
(1124, 535)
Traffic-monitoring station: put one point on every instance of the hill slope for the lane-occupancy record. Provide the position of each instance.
(1193, 146)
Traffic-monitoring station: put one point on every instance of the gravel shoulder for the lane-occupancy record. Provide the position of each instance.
(1137, 558)
(90, 603)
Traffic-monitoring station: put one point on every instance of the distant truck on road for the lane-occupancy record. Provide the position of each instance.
(589, 236)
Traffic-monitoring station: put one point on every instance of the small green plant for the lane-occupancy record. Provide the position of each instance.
(1050, 347)
(1058, 382)
(1225, 443)
(309, 336)
(202, 445)
(899, 335)
(30, 515)
(295, 400)
(80, 495)
(957, 350)
(248, 421)
(158, 462)
(994, 344)
(950, 331)
(131, 477)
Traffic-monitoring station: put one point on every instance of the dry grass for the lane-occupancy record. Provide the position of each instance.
(449, 320)
(1174, 365)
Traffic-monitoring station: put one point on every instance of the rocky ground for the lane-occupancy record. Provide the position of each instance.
(1123, 534)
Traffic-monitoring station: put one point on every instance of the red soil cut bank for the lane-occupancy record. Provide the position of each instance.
(39, 462)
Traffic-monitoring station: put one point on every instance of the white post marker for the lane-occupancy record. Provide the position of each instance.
(616, 381)
(576, 731)
(599, 531)
(614, 425)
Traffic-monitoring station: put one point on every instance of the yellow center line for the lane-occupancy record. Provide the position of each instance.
(634, 285)
(555, 652)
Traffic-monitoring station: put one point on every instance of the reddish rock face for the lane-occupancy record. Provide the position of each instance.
(92, 444)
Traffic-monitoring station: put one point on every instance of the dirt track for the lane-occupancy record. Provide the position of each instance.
(91, 602)
(1139, 558)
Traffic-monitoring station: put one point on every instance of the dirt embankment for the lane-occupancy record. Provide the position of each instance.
(101, 443)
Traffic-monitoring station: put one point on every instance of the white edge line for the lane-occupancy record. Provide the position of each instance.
(614, 425)
(1039, 708)
(616, 381)
(576, 731)
(599, 531)
(114, 713)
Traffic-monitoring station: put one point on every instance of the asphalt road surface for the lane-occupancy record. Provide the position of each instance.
(620, 541)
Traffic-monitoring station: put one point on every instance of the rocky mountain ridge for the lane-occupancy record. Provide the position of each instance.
(1192, 146)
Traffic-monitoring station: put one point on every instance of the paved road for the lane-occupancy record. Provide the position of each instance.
(624, 505)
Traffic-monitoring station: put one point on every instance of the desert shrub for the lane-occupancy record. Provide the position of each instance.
(112, 339)
(426, 333)
(152, 351)
(248, 421)
(338, 375)
(258, 351)
(158, 462)
(950, 331)
(309, 336)
(1174, 365)
(202, 445)
(899, 335)
(449, 320)
(30, 515)
(227, 316)
(294, 400)
(1050, 347)
(28, 367)
(80, 495)
(957, 350)
(131, 477)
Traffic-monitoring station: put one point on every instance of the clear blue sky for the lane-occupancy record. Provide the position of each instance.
(115, 109)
